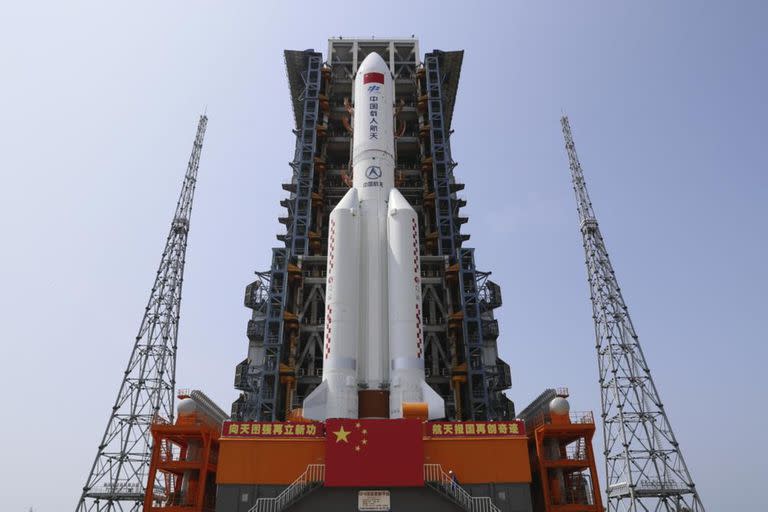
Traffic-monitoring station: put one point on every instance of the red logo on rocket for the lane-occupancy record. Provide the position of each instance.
(376, 78)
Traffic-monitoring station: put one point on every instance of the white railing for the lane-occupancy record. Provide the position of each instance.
(436, 477)
(313, 476)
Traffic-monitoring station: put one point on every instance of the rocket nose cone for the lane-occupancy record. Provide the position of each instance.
(374, 62)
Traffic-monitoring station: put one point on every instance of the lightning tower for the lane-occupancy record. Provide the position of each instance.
(645, 469)
(118, 477)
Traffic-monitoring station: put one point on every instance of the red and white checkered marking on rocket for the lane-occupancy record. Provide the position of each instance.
(417, 280)
(329, 310)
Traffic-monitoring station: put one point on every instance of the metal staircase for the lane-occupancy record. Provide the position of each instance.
(308, 481)
(434, 477)
(437, 479)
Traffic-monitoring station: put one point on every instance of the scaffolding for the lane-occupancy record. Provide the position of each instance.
(564, 476)
(184, 458)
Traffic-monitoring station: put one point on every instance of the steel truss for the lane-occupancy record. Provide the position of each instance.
(645, 469)
(117, 479)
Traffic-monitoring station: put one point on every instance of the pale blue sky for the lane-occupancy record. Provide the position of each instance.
(668, 106)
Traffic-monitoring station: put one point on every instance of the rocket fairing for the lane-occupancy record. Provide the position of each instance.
(373, 323)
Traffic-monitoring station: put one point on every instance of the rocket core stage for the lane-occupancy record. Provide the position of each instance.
(373, 337)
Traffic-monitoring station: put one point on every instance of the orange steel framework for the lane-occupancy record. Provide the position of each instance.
(563, 463)
(186, 456)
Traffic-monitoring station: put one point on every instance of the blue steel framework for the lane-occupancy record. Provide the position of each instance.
(442, 164)
(285, 332)
(449, 237)
(262, 388)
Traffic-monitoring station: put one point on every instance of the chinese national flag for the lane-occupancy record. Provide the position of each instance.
(374, 453)
(373, 77)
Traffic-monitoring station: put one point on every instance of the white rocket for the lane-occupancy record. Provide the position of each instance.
(373, 321)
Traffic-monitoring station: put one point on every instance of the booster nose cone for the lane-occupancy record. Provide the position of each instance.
(399, 203)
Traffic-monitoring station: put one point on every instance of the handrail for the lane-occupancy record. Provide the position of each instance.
(434, 475)
(312, 476)
(575, 418)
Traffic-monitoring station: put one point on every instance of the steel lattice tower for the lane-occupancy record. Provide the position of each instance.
(645, 469)
(118, 476)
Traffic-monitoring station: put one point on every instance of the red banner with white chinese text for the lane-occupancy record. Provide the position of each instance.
(272, 429)
(474, 428)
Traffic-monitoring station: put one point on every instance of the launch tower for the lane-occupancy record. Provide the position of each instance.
(286, 335)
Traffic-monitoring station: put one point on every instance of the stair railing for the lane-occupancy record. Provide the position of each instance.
(313, 476)
(439, 479)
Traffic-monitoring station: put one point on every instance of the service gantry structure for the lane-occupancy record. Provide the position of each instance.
(118, 478)
(645, 469)
(285, 332)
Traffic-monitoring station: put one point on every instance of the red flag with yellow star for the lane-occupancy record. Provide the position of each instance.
(374, 453)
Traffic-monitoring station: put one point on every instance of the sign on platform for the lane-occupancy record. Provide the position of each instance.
(475, 428)
(373, 500)
(271, 429)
